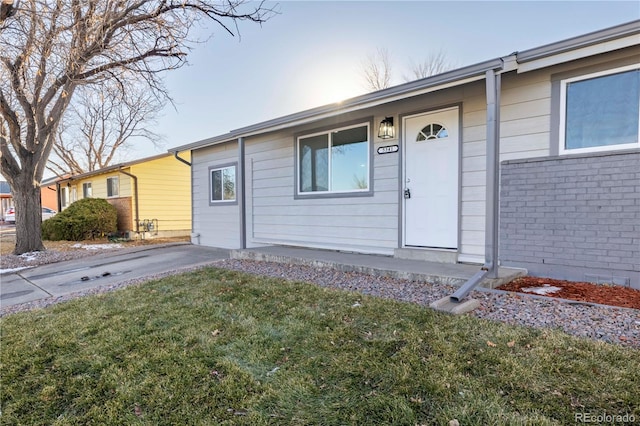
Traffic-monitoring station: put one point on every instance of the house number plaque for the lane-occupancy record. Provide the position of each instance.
(388, 149)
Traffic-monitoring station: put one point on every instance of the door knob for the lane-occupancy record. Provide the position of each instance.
(407, 193)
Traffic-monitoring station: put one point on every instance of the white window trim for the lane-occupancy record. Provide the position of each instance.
(118, 180)
(235, 173)
(563, 111)
(328, 132)
(83, 189)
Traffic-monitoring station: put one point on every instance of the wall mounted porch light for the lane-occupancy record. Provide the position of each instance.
(386, 130)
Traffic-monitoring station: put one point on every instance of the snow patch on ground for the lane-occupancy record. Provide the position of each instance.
(30, 256)
(97, 246)
(10, 270)
(544, 290)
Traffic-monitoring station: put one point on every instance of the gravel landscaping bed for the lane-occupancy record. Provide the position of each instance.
(609, 324)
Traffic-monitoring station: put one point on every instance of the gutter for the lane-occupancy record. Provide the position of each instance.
(135, 192)
(413, 88)
(490, 267)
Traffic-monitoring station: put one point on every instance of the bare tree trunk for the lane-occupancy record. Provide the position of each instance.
(28, 207)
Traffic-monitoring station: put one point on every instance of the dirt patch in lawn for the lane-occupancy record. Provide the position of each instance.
(613, 295)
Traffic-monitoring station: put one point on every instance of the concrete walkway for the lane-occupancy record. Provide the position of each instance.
(59, 279)
(418, 270)
(111, 268)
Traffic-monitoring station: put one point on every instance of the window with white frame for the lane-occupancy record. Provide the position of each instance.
(335, 161)
(64, 196)
(222, 184)
(600, 111)
(87, 191)
(113, 186)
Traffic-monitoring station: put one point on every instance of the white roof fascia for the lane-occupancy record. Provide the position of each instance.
(445, 80)
(618, 37)
(364, 106)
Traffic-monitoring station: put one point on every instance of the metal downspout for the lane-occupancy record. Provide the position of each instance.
(58, 196)
(175, 154)
(135, 193)
(242, 198)
(490, 267)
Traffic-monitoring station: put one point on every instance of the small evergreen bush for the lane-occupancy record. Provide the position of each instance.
(84, 219)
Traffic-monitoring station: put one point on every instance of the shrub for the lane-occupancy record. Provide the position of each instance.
(84, 219)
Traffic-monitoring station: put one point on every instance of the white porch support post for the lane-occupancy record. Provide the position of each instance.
(493, 81)
(241, 194)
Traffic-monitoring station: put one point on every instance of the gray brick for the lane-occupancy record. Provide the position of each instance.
(578, 212)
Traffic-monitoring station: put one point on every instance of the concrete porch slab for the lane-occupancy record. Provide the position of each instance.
(416, 270)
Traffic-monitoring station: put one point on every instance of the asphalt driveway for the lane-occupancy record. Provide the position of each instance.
(59, 279)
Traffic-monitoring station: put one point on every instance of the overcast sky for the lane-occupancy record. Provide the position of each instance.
(311, 54)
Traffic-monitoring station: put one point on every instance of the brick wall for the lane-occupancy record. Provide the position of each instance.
(575, 217)
(125, 215)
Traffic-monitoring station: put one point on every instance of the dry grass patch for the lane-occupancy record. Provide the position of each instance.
(221, 347)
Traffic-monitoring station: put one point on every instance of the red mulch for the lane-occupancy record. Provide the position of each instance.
(613, 295)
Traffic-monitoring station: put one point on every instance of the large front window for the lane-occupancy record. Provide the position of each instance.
(601, 111)
(334, 161)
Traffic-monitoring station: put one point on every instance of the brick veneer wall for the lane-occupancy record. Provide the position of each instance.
(125, 214)
(573, 217)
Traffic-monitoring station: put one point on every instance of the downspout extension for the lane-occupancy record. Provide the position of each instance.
(135, 193)
(490, 267)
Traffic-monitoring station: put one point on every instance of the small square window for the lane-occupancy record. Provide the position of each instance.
(601, 111)
(113, 186)
(223, 184)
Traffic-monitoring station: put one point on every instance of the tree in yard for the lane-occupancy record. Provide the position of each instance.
(49, 49)
(376, 70)
(435, 63)
(99, 124)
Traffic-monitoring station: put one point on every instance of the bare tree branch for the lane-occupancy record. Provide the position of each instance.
(100, 125)
(376, 70)
(435, 63)
(48, 49)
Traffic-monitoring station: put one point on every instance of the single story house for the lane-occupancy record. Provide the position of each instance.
(152, 195)
(529, 160)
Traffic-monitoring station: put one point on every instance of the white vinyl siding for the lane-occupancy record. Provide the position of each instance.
(275, 216)
(218, 225)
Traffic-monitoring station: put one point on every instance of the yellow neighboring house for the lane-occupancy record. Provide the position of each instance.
(152, 195)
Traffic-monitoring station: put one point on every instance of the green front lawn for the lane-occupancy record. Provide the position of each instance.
(220, 347)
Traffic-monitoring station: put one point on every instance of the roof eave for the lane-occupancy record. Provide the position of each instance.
(412, 88)
(585, 40)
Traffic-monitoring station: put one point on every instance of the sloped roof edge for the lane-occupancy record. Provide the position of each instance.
(459, 74)
(414, 87)
(108, 169)
(595, 37)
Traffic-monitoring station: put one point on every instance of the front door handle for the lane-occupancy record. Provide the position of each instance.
(407, 193)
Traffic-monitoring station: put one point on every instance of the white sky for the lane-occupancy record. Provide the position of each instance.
(311, 54)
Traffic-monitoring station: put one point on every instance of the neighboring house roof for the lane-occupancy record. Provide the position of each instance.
(107, 169)
(5, 189)
(617, 37)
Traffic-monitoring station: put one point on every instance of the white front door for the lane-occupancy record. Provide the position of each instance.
(431, 170)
